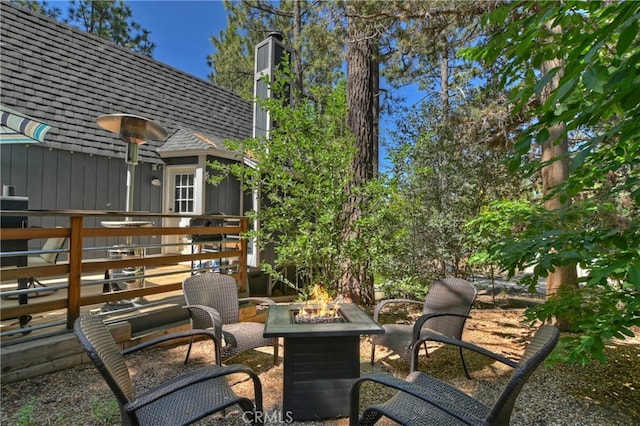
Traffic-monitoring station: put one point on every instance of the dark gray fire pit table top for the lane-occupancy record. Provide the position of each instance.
(280, 323)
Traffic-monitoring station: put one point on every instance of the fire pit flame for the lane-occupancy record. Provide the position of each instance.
(319, 309)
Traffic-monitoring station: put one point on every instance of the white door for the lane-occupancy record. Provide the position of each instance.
(183, 198)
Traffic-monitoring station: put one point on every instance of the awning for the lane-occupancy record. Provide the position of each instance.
(17, 127)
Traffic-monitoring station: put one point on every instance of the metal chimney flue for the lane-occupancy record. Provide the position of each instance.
(269, 56)
(276, 34)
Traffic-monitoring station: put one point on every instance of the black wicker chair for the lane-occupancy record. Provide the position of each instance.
(178, 401)
(424, 400)
(444, 313)
(213, 303)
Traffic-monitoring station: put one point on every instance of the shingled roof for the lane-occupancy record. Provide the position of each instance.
(185, 139)
(68, 78)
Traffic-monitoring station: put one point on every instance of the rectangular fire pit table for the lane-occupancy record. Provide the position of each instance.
(321, 360)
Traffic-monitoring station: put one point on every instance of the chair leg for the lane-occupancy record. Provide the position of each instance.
(189, 351)
(247, 406)
(464, 365)
(414, 366)
(34, 282)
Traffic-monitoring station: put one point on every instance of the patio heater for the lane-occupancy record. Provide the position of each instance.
(134, 131)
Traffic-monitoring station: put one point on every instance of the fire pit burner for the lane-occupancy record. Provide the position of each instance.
(321, 359)
(308, 315)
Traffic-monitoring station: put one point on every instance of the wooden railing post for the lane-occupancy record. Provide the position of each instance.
(244, 276)
(75, 270)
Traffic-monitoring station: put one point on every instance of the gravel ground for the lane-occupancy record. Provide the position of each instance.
(558, 395)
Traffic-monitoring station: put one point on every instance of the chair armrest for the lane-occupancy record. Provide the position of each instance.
(257, 300)
(193, 377)
(417, 326)
(381, 304)
(173, 336)
(408, 388)
(206, 314)
(460, 344)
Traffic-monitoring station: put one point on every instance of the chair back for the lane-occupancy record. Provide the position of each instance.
(54, 243)
(218, 291)
(103, 351)
(537, 350)
(449, 295)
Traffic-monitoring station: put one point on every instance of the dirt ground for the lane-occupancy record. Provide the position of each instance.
(558, 395)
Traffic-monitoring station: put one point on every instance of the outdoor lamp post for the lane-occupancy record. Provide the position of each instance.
(134, 131)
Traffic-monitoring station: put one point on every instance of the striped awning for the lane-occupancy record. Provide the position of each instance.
(17, 127)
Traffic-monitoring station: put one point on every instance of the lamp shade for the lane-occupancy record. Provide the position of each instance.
(132, 128)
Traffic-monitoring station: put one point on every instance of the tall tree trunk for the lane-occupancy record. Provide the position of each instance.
(360, 105)
(356, 283)
(375, 81)
(554, 152)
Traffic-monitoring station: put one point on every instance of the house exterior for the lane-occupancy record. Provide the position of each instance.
(67, 78)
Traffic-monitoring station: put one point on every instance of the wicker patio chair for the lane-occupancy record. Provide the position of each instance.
(444, 313)
(178, 401)
(423, 400)
(213, 303)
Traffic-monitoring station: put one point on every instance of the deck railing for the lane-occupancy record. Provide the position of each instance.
(84, 276)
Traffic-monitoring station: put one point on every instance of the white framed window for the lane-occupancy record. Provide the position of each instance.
(184, 193)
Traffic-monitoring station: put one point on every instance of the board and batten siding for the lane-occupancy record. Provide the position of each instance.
(224, 197)
(57, 180)
(61, 180)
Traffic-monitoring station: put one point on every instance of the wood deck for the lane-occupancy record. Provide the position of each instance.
(178, 274)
